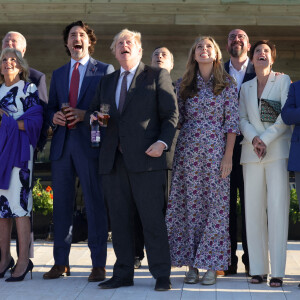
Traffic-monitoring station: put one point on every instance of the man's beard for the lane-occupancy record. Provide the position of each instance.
(236, 52)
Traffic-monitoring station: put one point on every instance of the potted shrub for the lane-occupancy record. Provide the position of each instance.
(42, 209)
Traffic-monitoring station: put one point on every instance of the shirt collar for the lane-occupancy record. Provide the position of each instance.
(244, 66)
(82, 61)
(201, 80)
(132, 71)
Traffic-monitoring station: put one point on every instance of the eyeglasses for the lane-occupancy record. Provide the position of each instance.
(240, 36)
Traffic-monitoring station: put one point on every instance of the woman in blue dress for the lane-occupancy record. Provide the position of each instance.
(21, 120)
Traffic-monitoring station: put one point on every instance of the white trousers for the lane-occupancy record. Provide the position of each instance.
(267, 214)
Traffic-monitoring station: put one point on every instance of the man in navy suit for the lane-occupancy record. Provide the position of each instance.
(16, 40)
(71, 153)
(242, 70)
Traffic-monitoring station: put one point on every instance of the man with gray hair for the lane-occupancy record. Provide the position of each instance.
(132, 161)
(16, 40)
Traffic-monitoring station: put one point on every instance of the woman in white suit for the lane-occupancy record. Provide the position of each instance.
(265, 149)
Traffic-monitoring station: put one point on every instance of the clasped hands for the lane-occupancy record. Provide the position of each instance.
(260, 147)
(73, 115)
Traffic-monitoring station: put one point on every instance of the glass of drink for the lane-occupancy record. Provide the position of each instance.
(104, 109)
(64, 107)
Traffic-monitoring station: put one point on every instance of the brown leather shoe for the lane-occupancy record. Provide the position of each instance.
(98, 274)
(57, 271)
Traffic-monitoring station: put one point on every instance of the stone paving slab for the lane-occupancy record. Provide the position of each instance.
(77, 287)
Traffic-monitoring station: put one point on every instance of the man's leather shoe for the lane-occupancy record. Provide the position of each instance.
(163, 284)
(231, 270)
(115, 282)
(57, 271)
(98, 274)
(137, 263)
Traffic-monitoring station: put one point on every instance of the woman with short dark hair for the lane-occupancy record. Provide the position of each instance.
(265, 149)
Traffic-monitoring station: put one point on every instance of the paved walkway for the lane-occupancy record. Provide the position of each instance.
(77, 287)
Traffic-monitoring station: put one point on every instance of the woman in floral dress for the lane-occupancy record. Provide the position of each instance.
(198, 208)
(21, 120)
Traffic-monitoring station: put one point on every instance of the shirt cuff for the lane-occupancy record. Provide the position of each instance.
(166, 146)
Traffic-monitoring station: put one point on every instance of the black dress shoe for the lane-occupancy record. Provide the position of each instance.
(247, 269)
(137, 262)
(231, 270)
(20, 278)
(115, 282)
(163, 284)
(10, 266)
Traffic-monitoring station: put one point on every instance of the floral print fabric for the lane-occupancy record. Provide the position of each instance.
(17, 200)
(198, 208)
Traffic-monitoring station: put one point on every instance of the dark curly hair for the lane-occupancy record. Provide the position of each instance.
(87, 29)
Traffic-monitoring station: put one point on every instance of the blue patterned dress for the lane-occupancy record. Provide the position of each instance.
(198, 209)
(17, 200)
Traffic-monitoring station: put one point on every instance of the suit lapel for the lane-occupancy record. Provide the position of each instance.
(269, 86)
(252, 99)
(90, 71)
(250, 72)
(138, 77)
(64, 82)
(226, 66)
(113, 105)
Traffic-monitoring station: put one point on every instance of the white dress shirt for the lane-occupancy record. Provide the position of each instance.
(83, 63)
(129, 80)
(238, 75)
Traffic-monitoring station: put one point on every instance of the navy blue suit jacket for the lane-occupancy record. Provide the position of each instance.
(290, 115)
(59, 93)
(39, 79)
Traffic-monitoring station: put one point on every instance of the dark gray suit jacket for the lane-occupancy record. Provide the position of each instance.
(150, 113)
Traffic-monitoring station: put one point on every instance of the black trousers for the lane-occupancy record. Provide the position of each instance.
(237, 182)
(138, 228)
(144, 192)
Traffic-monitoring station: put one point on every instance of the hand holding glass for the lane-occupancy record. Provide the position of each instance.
(104, 110)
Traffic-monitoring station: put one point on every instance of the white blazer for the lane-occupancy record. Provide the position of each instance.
(276, 135)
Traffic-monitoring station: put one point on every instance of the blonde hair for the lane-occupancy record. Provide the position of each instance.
(188, 87)
(22, 62)
(125, 32)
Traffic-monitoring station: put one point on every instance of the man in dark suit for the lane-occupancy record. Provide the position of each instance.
(142, 124)
(16, 40)
(71, 153)
(242, 70)
(161, 58)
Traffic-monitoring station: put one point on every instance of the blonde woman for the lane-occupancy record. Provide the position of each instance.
(198, 208)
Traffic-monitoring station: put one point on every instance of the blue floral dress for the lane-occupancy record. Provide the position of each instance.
(198, 208)
(17, 200)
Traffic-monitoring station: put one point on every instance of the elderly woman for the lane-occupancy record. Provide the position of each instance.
(291, 116)
(198, 208)
(21, 120)
(265, 149)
